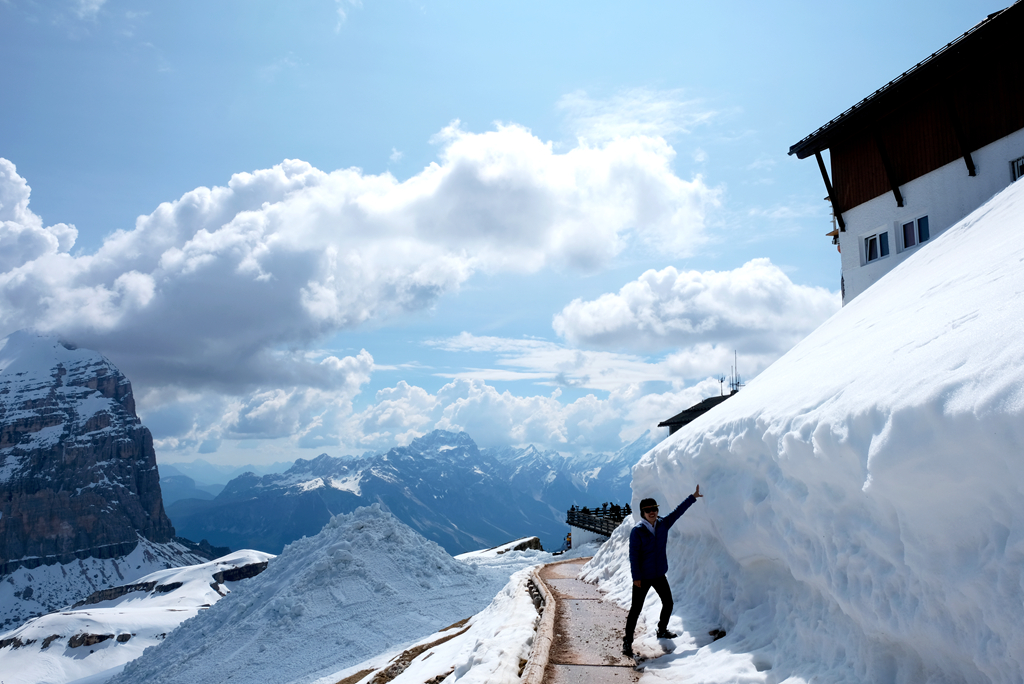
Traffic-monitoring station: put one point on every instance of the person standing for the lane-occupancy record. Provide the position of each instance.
(648, 564)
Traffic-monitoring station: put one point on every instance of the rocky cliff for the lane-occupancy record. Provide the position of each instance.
(78, 476)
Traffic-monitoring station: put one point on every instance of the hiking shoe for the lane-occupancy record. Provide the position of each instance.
(665, 634)
(627, 650)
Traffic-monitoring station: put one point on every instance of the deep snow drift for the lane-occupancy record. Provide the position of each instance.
(863, 517)
(365, 584)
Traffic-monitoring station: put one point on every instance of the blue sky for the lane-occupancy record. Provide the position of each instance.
(539, 222)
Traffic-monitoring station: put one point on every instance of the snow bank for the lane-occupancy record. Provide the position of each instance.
(863, 517)
(363, 585)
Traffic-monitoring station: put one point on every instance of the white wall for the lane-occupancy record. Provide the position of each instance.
(945, 195)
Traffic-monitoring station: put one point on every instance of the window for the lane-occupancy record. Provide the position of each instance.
(1017, 169)
(915, 232)
(876, 246)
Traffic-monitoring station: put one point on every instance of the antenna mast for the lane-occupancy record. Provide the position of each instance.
(735, 383)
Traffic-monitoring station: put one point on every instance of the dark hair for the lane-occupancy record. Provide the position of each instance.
(647, 503)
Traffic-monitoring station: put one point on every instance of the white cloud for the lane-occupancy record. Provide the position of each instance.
(493, 418)
(22, 235)
(755, 309)
(208, 288)
(786, 212)
(551, 363)
(88, 9)
(305, 416)
(762, 164)
(635, 112)
(341, 13)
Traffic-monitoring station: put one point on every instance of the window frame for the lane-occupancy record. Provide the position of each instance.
(916, 224)
(1016, 169)
(882, 244)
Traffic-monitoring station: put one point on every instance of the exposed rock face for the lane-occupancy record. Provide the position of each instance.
(78, 476)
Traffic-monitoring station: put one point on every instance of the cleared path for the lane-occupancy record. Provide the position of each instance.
(587, 641)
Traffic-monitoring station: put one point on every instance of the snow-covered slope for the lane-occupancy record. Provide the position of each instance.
(104, 634)
(863, 517)
(27, 593)
(365, 584)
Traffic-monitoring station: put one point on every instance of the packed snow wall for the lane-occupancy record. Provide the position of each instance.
(864, 496)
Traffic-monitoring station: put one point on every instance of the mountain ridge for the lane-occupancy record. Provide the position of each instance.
(441, 484)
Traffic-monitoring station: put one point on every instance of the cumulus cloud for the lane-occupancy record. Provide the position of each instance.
(755, 309)
(22, 235)
(306, 416)
(493, 418)
(208, 289)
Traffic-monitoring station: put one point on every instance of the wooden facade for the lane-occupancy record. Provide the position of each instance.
(963, 97)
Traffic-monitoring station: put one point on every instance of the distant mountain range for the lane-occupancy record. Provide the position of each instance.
(442, 485)
(200, 479)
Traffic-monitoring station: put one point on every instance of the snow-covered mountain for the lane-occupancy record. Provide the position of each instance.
(589, 479)
(442, 485)
(863, 511)
(80, 505)
(115, 625)
(208, 474)
(365, 584)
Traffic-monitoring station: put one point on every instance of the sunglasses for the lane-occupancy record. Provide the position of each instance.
(650, 510)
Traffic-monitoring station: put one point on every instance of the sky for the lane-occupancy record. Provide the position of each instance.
(332, 226)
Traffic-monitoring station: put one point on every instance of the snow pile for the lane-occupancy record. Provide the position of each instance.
(365, 584)
(491, 646)
(863, 517)
(488, 649)
(140, 618)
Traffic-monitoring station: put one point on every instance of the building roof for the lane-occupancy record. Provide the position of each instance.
(998, 28)
(689, 415)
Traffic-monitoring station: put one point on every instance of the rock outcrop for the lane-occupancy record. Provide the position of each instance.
(78, 475)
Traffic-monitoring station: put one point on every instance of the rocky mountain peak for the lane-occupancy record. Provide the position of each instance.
(78, 474)
(441, 442)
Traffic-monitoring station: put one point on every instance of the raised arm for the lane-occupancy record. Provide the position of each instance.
(670, 519)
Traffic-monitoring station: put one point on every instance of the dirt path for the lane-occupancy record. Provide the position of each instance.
(588, 631)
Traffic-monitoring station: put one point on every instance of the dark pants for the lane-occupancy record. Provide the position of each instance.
(660, 585)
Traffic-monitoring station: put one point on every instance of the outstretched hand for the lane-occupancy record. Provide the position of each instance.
(697, 494)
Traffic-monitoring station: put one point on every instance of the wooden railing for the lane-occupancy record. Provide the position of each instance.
(599, 520)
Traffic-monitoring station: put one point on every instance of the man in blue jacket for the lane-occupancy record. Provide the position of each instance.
(648, 564)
